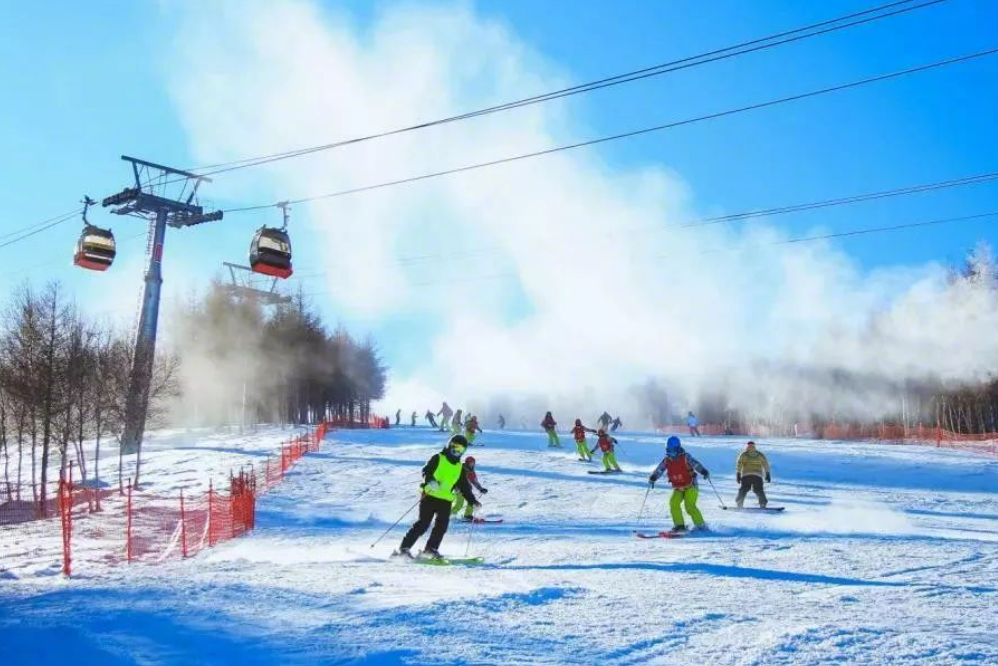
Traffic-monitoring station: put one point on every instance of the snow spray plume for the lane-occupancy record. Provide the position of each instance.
(596, 314)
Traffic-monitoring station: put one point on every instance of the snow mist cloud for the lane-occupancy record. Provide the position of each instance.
(544, 283)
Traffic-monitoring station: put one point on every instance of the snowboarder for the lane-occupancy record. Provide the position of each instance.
(694, 423)
(616, 423)
(398, 416)
(502, 422)
(579, 433)
(413, 424)
(681, 469)
(549, 427)
(457, 423)
(471, 429)
(749, 470)
(604, 420)
(429, 417)
(445, 413)
(442, 474)
(469, 473)
(606, 444)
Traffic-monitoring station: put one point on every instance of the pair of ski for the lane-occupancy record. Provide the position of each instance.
(605, 471)
(677, 535)
(480, 521)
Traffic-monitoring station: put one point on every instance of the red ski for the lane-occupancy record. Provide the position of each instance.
(487, 520)
(661, 535)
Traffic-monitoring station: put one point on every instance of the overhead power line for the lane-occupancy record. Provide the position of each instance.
(634, 133)
(37, 228)
(770, 41)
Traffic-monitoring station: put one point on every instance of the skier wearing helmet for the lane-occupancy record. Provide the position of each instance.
(606, 444)
(579, 433)
(549, 427)
(469, 473)
(442, 474)
(681, 469)
(471, 429)
(749, 471)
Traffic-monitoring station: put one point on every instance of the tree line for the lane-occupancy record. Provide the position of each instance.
(64, 379)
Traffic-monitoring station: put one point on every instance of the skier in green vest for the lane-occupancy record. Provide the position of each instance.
(442, 474)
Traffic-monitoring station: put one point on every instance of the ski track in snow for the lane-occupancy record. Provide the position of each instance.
(885, 555)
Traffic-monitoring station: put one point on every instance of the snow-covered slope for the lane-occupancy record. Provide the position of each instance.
(885, 555)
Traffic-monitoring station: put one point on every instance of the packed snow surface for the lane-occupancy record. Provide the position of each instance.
(884, 555)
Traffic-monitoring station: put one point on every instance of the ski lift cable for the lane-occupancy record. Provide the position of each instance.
(633, 133)
(743, 48)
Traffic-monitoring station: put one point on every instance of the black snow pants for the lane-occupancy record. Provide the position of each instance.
(753, 483)
(429, 508)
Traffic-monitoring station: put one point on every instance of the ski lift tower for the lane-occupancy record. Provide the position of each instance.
(165, 197)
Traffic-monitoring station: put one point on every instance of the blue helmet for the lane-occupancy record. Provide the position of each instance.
(673, 446)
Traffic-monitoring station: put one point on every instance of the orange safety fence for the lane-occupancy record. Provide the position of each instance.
(883, 433)
(134, 526)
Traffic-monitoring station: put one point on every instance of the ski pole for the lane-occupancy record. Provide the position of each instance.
(716, 493)
(471, 531)
(397, 522)
(643, 502)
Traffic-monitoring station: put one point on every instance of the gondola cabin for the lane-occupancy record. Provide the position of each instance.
(96, 249)
(270, 253)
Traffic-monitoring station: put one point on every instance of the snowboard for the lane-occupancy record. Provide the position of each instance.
(768, 509)
(448, 561)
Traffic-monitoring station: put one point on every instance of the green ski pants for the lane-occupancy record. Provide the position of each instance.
(685, 497)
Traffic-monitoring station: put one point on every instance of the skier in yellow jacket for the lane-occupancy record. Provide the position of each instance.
(749, 471)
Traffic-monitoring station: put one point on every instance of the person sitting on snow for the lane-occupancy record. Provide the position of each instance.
(681, 469)
(469, 473)
(606, 444)
(749, 471)
(579, 433)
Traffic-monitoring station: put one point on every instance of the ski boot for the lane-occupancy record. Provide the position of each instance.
(402, 552)
(466, 518)
(430, 554)
(679, 529)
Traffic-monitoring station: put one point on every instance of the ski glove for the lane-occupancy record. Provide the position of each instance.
(485, 491)
(651, 481)
(769, 479)
(705, 474)
(738, 478)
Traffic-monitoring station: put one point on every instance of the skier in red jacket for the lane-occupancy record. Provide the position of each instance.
(681, 469)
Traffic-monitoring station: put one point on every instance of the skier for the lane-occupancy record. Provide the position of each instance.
(579, 433)
(457, 423)
(445, 414)
(616, 423)
(471, 429)
(502, 422)
(413, 424)
(398, 416)
(694, 423)
(606, 444)
(429, 417)
(749, 470)
(549, 427)
(469, 473)
(681, 469)
(442, 474)
(604, 420)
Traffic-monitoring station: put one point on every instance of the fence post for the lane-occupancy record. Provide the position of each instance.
(183, 526)
(66, 516)
(128, 524)
(211, 527)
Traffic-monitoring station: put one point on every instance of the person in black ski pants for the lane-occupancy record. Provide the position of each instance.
(442, 474)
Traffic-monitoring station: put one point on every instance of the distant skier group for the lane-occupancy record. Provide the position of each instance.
(448, 483)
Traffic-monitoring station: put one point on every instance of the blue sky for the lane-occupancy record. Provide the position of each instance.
(87, 82)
